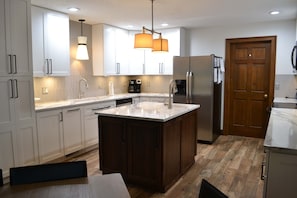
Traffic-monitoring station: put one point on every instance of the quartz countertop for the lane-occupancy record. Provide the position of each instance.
(74, 102)
(153, 111)
(282, 129)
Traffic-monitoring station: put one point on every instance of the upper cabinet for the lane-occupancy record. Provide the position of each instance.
(156, 63)
(50, 42)
(109, 45)
(15, 46)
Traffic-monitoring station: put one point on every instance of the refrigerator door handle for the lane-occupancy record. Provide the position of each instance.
(190, 77)
(187, 86)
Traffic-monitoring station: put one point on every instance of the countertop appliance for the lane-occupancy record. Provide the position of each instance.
(199, 81)
(294, 57)
(134, 86)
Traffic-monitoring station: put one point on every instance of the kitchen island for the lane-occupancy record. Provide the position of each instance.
(149, 144)
(280, 173)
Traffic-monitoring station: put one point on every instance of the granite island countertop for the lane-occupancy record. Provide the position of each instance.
(153, 111)
(282, 129)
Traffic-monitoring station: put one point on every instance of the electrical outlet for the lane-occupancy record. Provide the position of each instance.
(44, 90)
(277, 86)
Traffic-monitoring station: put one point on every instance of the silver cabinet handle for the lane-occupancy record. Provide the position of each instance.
(11, 88)
(15, 64)
(71, 110)
(47, 66)
(118, 68)
(101, 108)
(9, 64)
(16, 88)
(61, 116)
(190, 84)
(51, 66)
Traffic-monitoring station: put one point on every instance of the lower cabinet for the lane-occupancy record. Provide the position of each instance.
(50, 135)
(280, 175)
(149, 153)
(91, 121)
(66, 130)
(73, 130)
(59, 133)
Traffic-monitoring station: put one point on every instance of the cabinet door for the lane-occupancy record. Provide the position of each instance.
(112, 145)
(56, 31)
(14, 38)
(110, 67)
(91, 128)
(7, 115)
(50, 42)
(188, 140)
(136, 57)
(3, 54)
(7, 158)
(18, 35)
(39, 63)
(27, 152)
(144, 152)
(121, 55)
(72, 128)
(50, 135)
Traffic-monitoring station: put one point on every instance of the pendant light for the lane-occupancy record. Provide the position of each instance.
(82, 51)
(145, 40)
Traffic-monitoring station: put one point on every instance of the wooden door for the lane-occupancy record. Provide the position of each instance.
(249, 85)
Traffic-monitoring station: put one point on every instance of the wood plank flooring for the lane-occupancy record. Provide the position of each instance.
(232, 164)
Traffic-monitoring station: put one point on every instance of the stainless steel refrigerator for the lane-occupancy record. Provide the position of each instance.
(198, 81)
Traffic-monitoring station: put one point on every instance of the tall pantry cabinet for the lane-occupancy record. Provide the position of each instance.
(18, 138)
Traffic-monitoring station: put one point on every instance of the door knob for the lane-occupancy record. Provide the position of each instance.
(265, 95)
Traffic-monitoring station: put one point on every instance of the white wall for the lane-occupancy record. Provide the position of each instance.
(204, 41)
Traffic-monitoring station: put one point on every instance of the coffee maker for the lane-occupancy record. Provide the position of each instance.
(134, 86)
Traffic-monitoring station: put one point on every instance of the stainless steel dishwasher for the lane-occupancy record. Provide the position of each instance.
(123, 102)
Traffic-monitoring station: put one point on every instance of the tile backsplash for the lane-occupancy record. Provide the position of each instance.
(285, 85)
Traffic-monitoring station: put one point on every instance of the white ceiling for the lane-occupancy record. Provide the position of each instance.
(177, 13)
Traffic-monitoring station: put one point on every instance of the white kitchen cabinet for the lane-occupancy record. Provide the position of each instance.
(280, 173)
(50, 42)
(50, 135)
(72, 129)
(17, 120)
(109, 50)
(136, 60)
(162, 62)
(91, 121)
(157, 63)
(15, 38)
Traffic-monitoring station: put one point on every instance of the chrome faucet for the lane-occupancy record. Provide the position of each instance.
(172, 90)
(80, 92)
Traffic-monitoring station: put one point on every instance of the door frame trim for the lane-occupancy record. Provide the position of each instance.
(229, 42)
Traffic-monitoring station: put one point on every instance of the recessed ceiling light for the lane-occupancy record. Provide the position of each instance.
(274, 12)
(73, 9)
(164, 24)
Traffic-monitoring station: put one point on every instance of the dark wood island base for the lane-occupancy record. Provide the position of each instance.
(149, 153)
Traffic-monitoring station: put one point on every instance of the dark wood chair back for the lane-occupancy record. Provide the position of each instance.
(48, 172)
(1, 178)
(207, 190)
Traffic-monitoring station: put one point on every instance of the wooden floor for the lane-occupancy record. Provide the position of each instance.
(232, 164)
